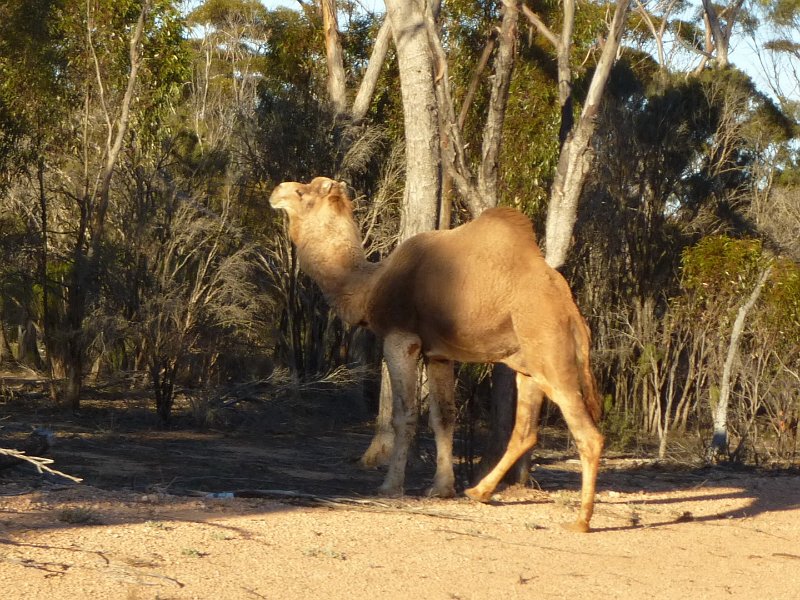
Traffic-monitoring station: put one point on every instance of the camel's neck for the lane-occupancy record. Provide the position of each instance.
(333, 257)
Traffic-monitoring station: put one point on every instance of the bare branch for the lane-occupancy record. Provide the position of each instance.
(122, 123)
(370, 80)
(541, 27)
(38, 462)
(475, 80)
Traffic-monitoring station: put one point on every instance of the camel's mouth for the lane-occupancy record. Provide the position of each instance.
(282, 194)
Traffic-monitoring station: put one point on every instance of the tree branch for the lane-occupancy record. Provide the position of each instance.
(493, 129)
(38, 462)
(475, 80)
(541, 27)
(370, 80)
(122, 123)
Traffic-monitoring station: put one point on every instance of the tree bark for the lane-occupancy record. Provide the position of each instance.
(498, 101)
(333, 48)
(421, 119)
(82, 286)
(720, 35)
(370, 79)
(423, 167)
(576, 156)
(719, 440)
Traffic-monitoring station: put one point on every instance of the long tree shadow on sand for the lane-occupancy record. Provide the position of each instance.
(124, 452)
(628, 488)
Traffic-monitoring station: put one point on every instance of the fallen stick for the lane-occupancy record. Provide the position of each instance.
(38, 462)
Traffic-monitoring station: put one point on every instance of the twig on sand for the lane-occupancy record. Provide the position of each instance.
(38, 462)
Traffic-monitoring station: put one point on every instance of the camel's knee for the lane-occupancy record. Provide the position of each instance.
(404, 422)
(442, 417)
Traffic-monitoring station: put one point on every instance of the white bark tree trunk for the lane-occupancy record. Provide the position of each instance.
(337, 93)
(576, 156)
(423, 166)
(719, 441)
(721, 35)
(423, 157)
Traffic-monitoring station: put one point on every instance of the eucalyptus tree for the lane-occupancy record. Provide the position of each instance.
(110, 65)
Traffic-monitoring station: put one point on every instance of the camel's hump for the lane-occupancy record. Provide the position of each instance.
(507, 217)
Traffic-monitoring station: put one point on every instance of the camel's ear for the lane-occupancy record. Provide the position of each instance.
(339, 197)
(347, 191)
(326, 187)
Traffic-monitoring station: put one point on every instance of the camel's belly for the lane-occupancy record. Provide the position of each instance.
(491, 343)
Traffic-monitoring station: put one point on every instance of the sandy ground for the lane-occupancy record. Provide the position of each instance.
(732, 536)
(302, 522)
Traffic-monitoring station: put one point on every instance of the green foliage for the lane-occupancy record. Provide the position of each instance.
(784, 12)
(530, 148)
(295, 55)
(221, 14)
(165, 69)
(781, 300)
(33, 87)
(721, 267)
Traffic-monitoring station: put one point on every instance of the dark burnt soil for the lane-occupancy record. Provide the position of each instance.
(302, 447)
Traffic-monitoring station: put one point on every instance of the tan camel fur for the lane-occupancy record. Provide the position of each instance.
(479, 293)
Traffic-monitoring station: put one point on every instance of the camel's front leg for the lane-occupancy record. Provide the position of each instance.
(441, 381)
(401, 352)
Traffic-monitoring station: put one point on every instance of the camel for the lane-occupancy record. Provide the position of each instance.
(481, 292)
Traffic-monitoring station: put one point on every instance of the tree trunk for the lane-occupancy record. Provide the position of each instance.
(721, 35)
(28, 350)
(421, 122)
(88, 248)
(576, 156)
(719, 440)
(503, 414)
(333, 49)
(498, 101)
(423, 168)
(6, 355)
(380, 448)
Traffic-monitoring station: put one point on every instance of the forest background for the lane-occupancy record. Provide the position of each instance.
(139, 142)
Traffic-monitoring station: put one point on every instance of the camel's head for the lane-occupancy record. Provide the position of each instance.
(321, 197)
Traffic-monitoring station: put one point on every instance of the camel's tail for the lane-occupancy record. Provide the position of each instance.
(588, 385)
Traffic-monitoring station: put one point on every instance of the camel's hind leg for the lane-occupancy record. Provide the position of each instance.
(523, 437)
(441, 381)
(590, 444)
(401, 351)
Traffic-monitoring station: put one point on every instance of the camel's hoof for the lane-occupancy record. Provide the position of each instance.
(441, 491)
(578, 526)
(390, 491)
(373, 459)
(474, 494)
(368, 464)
